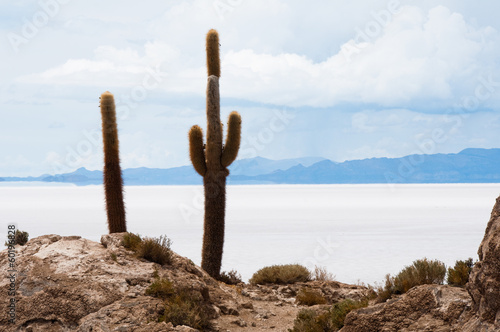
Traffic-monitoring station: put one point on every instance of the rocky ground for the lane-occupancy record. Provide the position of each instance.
(74, 284)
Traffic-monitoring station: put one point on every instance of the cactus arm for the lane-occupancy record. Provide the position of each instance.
(196, 152)
(213, 58)
(214, 129)
(233, 139)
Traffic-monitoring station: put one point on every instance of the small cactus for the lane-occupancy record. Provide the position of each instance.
(211, 161)
(113, 182)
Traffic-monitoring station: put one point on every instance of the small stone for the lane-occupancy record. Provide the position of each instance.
(247, 305)
(228, 310)
(240, 322)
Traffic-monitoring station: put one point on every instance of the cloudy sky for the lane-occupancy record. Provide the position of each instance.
(330, 78)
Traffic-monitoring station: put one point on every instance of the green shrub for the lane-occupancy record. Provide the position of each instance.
(331, 320)
(459, 274)
(183, 306)
(155, 250)
(230, 278)
(322, 274)
(421, 272)
(131, 241)
(20, 238)
(310, 297)
(281, 274)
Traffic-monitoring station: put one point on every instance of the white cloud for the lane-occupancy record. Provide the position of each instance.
(418, 57)
(388, 94)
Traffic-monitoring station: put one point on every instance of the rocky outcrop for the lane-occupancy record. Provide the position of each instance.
(67, 283)
(484, 280)
(73, 284)
(436, 308)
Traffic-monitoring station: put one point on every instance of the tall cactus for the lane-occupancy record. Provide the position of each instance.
(113, 182)
(211, 161)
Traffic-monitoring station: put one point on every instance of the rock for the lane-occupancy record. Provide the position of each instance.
(72, 284)
(240, 322)
(247, 305)
(112, 240)
(484, 280)
(228, 310)
(436, 308)
(67, 283)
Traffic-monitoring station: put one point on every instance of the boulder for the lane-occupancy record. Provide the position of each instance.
(484, 280)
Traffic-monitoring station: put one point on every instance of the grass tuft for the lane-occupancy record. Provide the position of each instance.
(321, 274)
(155, 250)
(131, 241)
(230, 278)
(20, 238)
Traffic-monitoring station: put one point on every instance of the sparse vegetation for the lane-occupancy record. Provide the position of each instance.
(183, 306)
(421, 272)
(155, 250)
(230, 278)
(321, 274)
(281, 274)
(331, 320)
(310, 297)
(131, 241)
(459, 274)
(113, 257)
(20, 238)
(384, 293)
(161, 288)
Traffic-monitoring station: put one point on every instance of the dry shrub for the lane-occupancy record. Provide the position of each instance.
(421, 272)
(183, 306)
(230, 278)
(310, 297)
(331, 320)
(131, 241)
(155, 250)
(321, 274)
(459, 274)
(281, 274)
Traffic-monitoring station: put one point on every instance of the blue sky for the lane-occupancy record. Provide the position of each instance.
(337, 79)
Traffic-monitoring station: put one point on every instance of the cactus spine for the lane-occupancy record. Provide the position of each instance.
(211, 161)
(113, 183)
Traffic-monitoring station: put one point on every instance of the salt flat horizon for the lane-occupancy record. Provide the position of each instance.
(357, 231)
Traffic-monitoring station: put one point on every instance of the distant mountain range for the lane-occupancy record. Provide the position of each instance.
(467, 166)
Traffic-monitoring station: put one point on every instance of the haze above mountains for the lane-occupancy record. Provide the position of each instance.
(468, 166)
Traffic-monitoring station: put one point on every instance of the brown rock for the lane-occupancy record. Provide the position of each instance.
(424, 308)
(484, 280)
